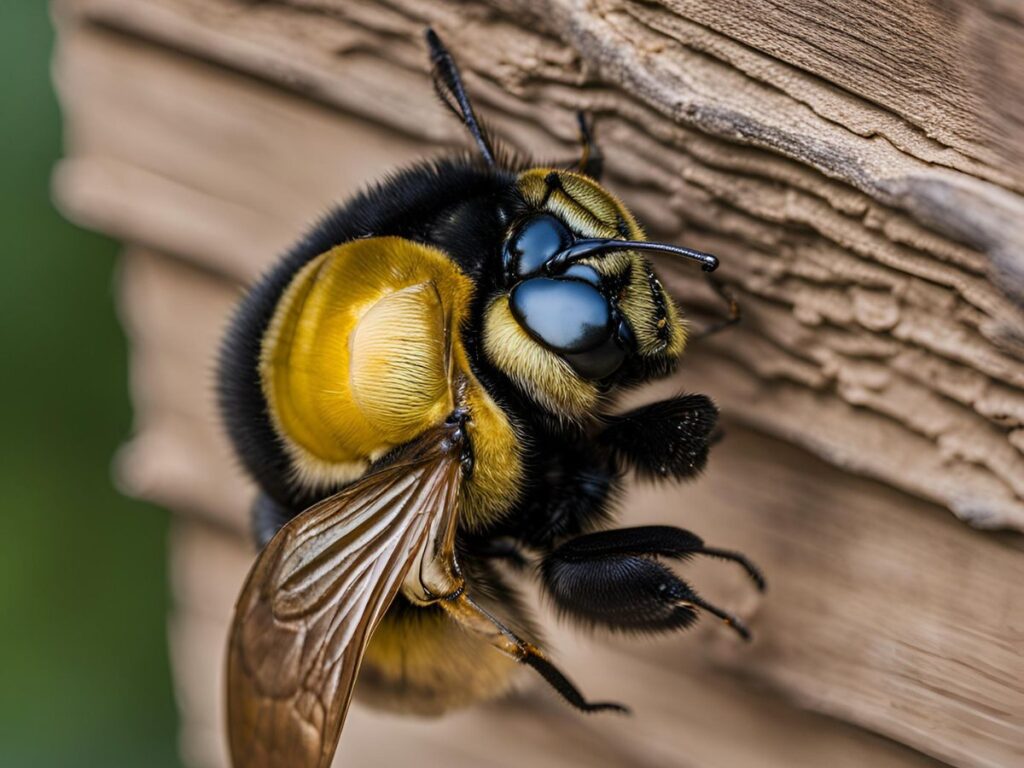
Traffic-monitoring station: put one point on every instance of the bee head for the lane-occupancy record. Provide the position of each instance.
(586, 303)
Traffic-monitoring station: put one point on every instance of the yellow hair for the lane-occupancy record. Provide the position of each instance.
(361, 356)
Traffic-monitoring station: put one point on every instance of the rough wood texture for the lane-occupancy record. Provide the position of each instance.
(690, 709)
(878, 251)
(857, 172)
(706, 718)
(881, 611)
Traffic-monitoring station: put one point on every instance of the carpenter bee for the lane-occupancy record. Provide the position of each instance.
(422, 390)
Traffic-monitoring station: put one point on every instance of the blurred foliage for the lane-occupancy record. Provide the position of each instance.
(83, 595)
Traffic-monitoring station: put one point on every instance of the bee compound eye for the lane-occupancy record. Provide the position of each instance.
(598, 363)
(534, 243)
(583, 272)
(571, 318)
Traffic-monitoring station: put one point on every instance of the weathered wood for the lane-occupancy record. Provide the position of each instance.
(946, 71)
(704, 718)
(872, 338)
(858, 171)
(881, 611)
(921, 74)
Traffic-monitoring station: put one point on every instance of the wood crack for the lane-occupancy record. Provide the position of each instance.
(830, 237)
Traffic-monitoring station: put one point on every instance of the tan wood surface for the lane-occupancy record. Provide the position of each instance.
(864, 315)
(857, 167)
(882, 611)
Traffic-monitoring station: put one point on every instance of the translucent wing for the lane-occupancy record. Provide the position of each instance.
(316, 593)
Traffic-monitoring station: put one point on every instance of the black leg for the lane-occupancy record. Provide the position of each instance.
(733, 313)
(591, 160)
(613, 579)
(553, 676)
(474, 618)
(448, 84)
(664, 439)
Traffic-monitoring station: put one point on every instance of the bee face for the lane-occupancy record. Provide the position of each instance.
(568, 307)
(583, 299)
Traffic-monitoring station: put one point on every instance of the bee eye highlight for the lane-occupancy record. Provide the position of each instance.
(534, 243)
(584, 272)
(566, 316)
(573, 319)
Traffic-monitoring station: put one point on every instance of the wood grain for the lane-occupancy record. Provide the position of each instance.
(859, 173)
(861, 319)
(704, 718)
(936, 66)
(881, 610)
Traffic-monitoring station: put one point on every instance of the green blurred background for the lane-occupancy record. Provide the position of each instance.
(84, 676)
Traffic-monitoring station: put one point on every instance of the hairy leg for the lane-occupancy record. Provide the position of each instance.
(667, 439)
(614, 579)
(461, 607)
(733, 313)
(591, 160)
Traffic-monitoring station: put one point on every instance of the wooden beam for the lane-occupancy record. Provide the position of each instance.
(881, 610)
(858, 170)
(872, 340)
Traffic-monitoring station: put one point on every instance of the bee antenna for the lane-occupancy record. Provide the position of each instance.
(449, 87)
(583, 249)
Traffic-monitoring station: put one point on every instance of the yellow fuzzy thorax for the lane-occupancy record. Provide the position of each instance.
(591, 211)
(362, 355)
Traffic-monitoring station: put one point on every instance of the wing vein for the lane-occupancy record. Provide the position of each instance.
(315, 595)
